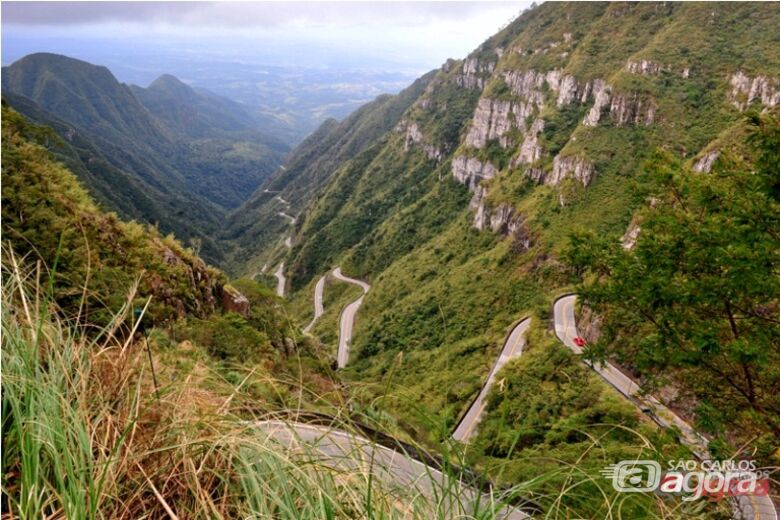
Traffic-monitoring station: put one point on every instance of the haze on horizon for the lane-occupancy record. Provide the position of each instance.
(408, 37)
(297, 62)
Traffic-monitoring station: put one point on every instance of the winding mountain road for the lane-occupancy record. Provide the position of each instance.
(281, 281)
(292, 219)
(319, 308)
(745, 507)
(348, 452)
(347, 319)
(513, 347)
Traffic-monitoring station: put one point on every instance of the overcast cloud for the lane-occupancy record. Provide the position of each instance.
(256, 14)
(137, 40)
(428, 31)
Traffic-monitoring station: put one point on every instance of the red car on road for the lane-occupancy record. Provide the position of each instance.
(580, 342)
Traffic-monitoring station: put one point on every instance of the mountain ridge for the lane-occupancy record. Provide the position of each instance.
(459, 215)
(188, 173)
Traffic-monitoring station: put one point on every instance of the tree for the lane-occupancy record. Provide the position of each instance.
(698, 297)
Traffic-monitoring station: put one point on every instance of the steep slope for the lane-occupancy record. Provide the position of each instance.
(178, 173)
(256, 226)
(457, 216)
(190, 112)
(95, 256)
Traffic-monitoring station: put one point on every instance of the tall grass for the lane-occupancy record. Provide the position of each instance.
(86, 435)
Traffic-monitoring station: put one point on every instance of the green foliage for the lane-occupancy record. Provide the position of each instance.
(96, 257)
(698, 295)
(551, 415)
(310, 167)
(229, 337)
(166, 155)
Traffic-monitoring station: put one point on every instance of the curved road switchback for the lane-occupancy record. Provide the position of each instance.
(745, 507)
(348, 452)
(281, 281)
(347, 319)
(319, 308)
(292, 219)
(513, 347)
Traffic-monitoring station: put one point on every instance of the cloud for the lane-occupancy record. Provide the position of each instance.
(413, 35)
(268, 15)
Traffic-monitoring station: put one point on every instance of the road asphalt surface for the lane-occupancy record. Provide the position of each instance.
(288, 217)
(513, 347)
(348, 452)
(746, 507)
(319, 309)
(281, 281)
(347, 320)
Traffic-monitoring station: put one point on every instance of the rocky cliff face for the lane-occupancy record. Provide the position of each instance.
(494, 119)
(470, 170)
(546, 112)
(234, 301)
(474, 73)
(414, 136)
(746, 91)
(573, 167)
(704, 163)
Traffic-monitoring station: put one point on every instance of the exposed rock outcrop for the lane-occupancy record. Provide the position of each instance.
(474, 72)
(704, 163)
(527, 85)
(567, 90)
(477, 205)
(535, 174)
(234, 301)
(571, 166)
(530, 84)
(602, 94)
(413, 135)
(628, 241)
(531, 150)
(470, 170)
(623, 108)
(746, 91)
(502, 219)
(630, 108)
(589, 324)
(493, 119)
(646, 67)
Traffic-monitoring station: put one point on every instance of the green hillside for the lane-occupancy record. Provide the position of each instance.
(184, 157)
(254, 228)
(625, 152)
(459, 215)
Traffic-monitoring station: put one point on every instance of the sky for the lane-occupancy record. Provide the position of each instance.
(411, 36)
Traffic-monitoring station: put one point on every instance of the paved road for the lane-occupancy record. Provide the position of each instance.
(348, 452)
(513, 347)
(281, 281)
(318, 306)
(347, 320)
(746, 507)
(292, 219)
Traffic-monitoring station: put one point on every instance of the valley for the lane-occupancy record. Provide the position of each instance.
(473, 297)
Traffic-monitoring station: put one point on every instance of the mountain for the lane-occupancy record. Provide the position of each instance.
(190, 156)
(459, 210)
(194, 113)
(92, 249)
(308, 169)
